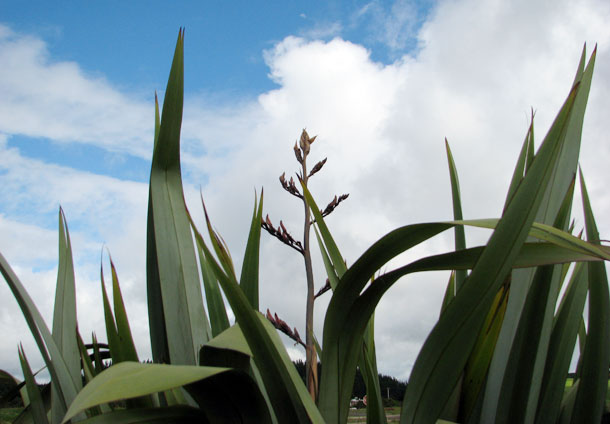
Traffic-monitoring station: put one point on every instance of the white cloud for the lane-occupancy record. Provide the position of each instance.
(59, 101)
(100, 210)
(480, 67)
(394, 27)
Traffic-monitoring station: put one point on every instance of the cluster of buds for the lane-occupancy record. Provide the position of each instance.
(290, 186)
(302, 149)
(323, 289)
(317, 167)
(333, 204)
(281, 325)
(282, 234)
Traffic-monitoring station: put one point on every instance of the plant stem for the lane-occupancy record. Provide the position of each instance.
(311, 362)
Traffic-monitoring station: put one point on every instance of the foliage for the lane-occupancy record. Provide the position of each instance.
(387, 384)
(500, 352)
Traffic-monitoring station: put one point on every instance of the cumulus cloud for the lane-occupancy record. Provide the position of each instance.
(479, 68)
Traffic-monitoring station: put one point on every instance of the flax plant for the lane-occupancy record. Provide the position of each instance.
(500, 352)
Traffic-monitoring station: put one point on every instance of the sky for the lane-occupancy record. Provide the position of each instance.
(381, 83)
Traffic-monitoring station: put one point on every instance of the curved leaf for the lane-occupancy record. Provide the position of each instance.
(185, 320)
(60, 375)
(128, 380)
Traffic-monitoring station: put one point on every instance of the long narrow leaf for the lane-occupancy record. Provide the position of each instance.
(284, 386)
(249, 270)
(589, 403)
(36, 403)
(219, 320)
(562, 175)
(561, 347)
(367, 360)
(60, 375)
(186, 324)
(64, 316)
(448, 346)
(128, 346)
(460, 236)
(112, 334)
(156, 314)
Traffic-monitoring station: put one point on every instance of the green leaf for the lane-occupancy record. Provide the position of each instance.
(368, 366)
(333, 278)
(128, 347)
(286, 390)
(64, 315)
(589, 403)
(445, 352)
(128, 380)
(523, 379)
(477, 366)
(550, 234)
(37, 407)
(88, 369)
(60, 375)
(220, 247)
(97, 356)
(156, 315)
(231, 397)
(367, 361)
(112, 334)
(219, 320)
(517, 383)
(561, 346)
(249, 270)
(228, 349)
(449, 292)
(89, 373)
(460, 236)
(526, 156)
(330, 245)
(342, 338)
(562, 176)
(185, 320)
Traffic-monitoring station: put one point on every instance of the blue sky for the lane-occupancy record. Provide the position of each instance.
(128, 44)
(381, 83)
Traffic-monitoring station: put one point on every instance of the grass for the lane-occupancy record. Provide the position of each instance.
(359, 415)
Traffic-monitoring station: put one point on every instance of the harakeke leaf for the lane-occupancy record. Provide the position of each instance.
(128, 380)
(589, 402)
(185, 320)
(249, 270)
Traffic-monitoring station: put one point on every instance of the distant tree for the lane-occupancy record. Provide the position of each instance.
(397, 387)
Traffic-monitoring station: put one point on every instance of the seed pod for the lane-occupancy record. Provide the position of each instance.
(317, 167)
(297, 153)
(305, 143)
